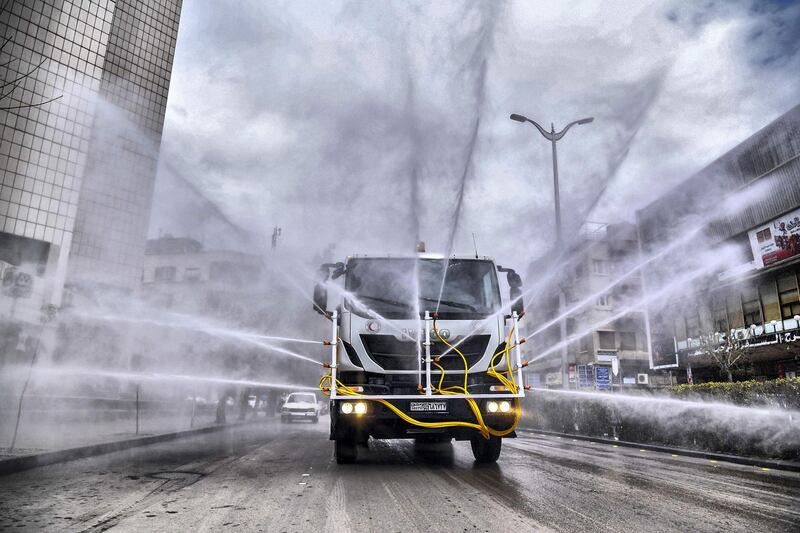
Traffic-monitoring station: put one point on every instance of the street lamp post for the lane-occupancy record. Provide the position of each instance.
(553, 137)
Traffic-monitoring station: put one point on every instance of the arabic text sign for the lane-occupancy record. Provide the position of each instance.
(603, 377)
(777, 240)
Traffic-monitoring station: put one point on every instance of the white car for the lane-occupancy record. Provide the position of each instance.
(300, 406)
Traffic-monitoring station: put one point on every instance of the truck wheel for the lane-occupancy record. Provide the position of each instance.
(315, 420)
(486, 450)
(284, 420)
(346, 451)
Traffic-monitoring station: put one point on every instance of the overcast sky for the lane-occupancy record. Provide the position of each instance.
(366, 123)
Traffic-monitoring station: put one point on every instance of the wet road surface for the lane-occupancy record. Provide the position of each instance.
(270, 477)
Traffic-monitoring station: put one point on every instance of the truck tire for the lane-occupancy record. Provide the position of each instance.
(315, 420)
(486, 450)
(284, 420)
(346, 451)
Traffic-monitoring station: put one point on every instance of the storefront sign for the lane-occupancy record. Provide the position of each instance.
(751, 337)
(553, 378)
(777, 240)
(629, 380)
(602, 376)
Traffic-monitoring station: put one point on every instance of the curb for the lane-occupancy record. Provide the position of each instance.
(27, 462)
(773, 464)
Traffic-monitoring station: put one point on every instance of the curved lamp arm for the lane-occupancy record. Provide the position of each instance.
(547, 135)
(521, 118)
(563, 132)
(550, 135)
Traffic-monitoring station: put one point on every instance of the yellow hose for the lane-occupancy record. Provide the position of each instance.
(481, 426)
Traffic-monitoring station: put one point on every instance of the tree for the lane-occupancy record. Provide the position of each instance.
(724, 350)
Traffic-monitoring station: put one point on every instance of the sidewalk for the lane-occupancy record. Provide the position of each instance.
(46, 430)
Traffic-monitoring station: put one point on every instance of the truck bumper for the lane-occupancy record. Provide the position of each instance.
(381, 423)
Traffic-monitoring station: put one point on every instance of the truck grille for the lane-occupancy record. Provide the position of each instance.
(392, 354)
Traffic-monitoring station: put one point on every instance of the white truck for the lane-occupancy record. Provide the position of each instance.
(422, 347)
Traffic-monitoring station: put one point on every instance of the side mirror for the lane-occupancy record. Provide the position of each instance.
(516, 301)
(321, 299)
(515, 292)
(320, 290)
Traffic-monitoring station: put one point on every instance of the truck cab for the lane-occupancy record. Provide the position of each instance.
(415, 339)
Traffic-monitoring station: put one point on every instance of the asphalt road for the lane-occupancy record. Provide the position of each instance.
(283, 478)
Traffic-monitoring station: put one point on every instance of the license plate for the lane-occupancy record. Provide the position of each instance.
(429, 407)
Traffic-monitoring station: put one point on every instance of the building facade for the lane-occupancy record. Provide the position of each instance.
(747, 315)
(80, 131)
(607, 348)
(179, 274)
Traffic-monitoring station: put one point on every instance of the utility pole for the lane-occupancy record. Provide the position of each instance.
(553, 137)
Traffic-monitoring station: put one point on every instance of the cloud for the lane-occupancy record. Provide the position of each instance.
(351, 122)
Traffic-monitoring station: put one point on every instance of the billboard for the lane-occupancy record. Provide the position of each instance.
(777, 240)
(663, 353)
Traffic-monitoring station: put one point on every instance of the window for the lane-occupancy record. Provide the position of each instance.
(692, 324)
(600, 267)
(680, 328)
(164, 273)
(787, 295)
(627, 340)
(585, 343)
(769, 300)
(734, 305)
(751, 307)
(606, 340)
(719, 313)
(191, 274)
(603, 301)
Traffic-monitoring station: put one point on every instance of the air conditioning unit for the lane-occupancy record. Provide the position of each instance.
(642, 379)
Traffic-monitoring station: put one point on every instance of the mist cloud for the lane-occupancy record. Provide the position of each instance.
(353, 122)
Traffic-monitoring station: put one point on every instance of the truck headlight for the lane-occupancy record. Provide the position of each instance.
(505, 406)
(492, 407)
(358, 408)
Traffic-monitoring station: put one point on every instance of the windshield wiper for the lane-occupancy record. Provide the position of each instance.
(450, 303)
(383, 300)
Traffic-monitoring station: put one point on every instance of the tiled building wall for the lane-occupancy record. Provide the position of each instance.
(55, 49)
(78, 171)
(114, 210)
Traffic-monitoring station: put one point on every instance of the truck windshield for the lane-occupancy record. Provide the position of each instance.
(399, 287)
